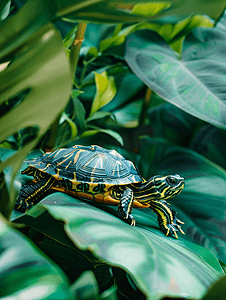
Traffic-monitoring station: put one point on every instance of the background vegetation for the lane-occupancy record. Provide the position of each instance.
(149, 81)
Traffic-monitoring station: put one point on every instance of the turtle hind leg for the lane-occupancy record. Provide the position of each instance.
(30, 194)
(125, 207)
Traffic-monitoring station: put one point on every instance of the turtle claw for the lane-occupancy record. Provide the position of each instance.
(172, 228)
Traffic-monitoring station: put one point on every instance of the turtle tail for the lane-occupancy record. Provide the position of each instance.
(31, 193)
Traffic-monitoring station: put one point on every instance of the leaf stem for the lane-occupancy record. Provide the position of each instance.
(145, 106)
(76, 46)
(73, 59)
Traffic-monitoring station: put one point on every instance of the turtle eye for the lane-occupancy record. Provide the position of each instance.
(171, 180)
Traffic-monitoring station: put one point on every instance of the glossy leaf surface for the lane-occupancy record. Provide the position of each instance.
(105, 91)
(159, 260)
(121, 11)
(34, 87)
(202, 204)
(25, 273)
(195, 82)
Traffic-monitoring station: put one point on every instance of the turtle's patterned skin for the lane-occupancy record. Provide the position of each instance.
(95, 173)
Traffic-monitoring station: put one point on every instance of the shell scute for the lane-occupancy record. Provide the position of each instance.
(92, 164)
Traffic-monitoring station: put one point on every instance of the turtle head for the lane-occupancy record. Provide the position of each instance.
(168, 186)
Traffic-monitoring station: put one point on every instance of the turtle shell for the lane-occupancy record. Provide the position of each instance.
(92, 164)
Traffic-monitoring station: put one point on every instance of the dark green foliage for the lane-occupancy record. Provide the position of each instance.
(129, 48)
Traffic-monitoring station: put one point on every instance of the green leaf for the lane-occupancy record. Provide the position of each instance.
(173, 124)
(172, 33)
(178, 79)
(74, 130)
(149, 9)
(86, 287)
(105, 91)
(128, 116)
(112, 11)
(210, 141)
(99, 115)
(25, 273)
(69, 38)
(201, 205)
(41, 87)
(109, 239)
(79, 113)
(4, 9)
(110, 132)
(217, 291)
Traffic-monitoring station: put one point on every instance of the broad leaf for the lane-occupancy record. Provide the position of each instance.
(111, 240)
(173, 124)
(25, 272)
(210, 142)
(195, 82)
(36, 95)
(121, 11)
(202, 204)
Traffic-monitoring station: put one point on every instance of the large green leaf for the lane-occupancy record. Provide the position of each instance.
(173, 124)
(210, 142)
(159, 262)
(35, 81)
(121, 11)
(194, 81)
(202, 204)
(25, 273)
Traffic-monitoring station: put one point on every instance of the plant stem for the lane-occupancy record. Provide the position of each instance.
(145, 106)
(76, 46)
(73, 59)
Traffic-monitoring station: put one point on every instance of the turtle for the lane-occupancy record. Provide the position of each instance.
(102, 175)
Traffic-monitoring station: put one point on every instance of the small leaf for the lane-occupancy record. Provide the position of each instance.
(110, 132)
(149, 9)
(79, 113)
(69, 38)
(99, 115)
(105, 91)
(86, 287)
(114, 134)
(76, 93)
(74, 130)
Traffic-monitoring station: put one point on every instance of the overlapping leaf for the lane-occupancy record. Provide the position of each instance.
(121, 11)
(159, 261)
(202, 203)
(32, 92)
(25, 272)
(194, 81)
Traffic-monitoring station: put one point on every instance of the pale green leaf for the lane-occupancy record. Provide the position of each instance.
(105, 91)
(150, 9)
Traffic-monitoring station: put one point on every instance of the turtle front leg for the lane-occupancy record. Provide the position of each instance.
(167, 219)
(125, 207)
(30, 194)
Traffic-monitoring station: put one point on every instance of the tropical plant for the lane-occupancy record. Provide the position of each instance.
(147, 80)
